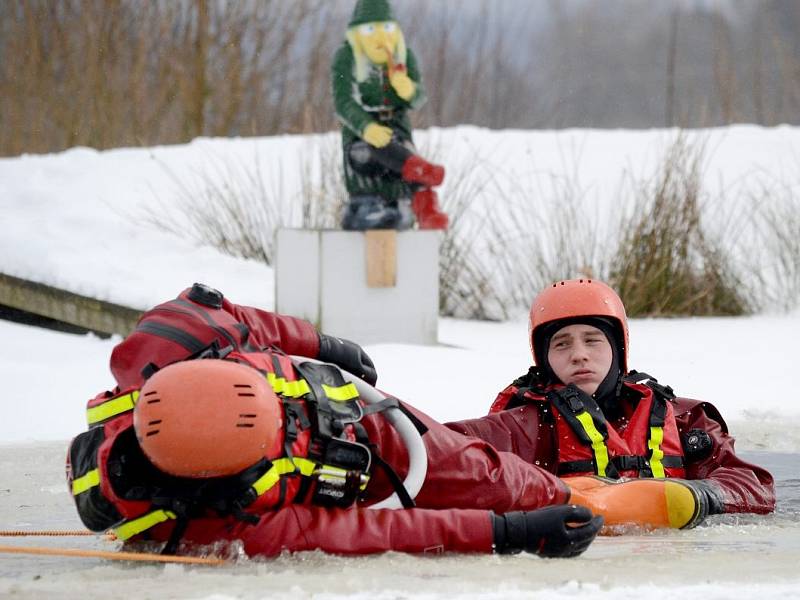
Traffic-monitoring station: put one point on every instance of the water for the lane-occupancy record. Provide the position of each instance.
(731, 557)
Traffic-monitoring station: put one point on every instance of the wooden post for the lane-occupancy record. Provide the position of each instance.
(381, 251)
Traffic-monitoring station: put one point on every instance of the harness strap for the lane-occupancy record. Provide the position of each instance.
(136, 526)
(111, 408)
(282, 466)
(181, 525)
(173, 334)
(575, 466)
(86, 482)
(263, 484)
(622, 463)
(290, 389)
(384, 404)
(402, 493)
(598, 442)
(241, 328)
(656, 454)
(659, 389)
(644, 465)
(586, 420)
(342, 393)
(658, 412)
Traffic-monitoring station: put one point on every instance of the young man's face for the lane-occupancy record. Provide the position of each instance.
(580, 354)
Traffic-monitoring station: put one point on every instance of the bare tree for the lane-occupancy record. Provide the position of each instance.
(106, 73)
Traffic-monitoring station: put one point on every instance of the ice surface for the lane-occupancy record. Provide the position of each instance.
(733, 557)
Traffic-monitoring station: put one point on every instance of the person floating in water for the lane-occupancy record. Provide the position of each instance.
(627, 446)
(216, 434)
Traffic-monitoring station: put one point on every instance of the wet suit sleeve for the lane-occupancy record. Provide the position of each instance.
(466, 471)
(355, 531)
(516, 430)
(744, 487)
(290, 334)
(521, 429)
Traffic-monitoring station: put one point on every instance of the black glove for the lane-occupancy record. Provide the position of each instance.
(347, 355)
(707, 497)
(547, 531)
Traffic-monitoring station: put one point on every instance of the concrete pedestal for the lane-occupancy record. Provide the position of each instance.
(342, 282)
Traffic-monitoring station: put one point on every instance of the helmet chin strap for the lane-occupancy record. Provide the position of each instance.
(607, 391)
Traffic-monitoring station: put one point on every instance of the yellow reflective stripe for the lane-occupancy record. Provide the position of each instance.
(654, 443)
(111, 408)
(276, 382)
(86, 482)
(598, 446)
(295, 389)
(291, 389)
(282, 466)
(135, 526)
(343, 393)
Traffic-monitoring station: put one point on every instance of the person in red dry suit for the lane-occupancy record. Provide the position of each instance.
(629, 449)
(220, 430)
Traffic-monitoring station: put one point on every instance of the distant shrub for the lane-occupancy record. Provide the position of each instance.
(511, 234)
(771, 250)
(472, 259)
(237, 206)
(665, 263)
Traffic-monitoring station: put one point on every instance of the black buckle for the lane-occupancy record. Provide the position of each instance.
(353, 458)
(573, 399)
(630, 463)
(664, 390)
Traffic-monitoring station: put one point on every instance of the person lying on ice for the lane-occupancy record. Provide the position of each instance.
(216, 433)
(376, 81)
(581, 414)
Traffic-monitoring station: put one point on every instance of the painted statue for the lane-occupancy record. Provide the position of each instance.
(376, 82)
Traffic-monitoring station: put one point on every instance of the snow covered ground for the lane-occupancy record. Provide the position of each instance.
(73, 220)
(744, 366)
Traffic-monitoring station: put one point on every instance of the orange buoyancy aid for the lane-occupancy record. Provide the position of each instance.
(325, 458)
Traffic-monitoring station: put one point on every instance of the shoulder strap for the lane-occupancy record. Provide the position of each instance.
(534, 381)
(664, 391)
(586, 420)
(202, 312)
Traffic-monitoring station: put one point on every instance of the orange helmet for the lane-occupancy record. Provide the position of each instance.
(207, 418)
(573, 299)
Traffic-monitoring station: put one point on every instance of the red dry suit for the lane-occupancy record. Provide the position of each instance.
(466, 477)
(655, 436)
